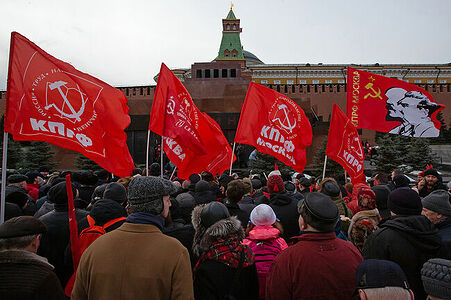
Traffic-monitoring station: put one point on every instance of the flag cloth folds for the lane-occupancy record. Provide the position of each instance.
(49, 100)
(391, 105)
(344, 146)
(275, 125)
(192, 140)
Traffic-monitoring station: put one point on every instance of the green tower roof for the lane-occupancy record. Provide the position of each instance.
(231, 15)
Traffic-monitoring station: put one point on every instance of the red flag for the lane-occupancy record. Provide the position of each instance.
(49, 100)
(344, 146)
(73, 227)
(192, 140)
(390, 105)
(275, 125)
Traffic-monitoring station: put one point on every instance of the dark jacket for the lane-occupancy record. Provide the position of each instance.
(285, 208)
(408, 241)
(437, 186)
(260, 198)
(444, 228)
(318, 266)
(184, 233)
(25, 275)
(241, 214)
(55, 240)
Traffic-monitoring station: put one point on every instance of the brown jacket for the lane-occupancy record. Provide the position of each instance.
(135, 261)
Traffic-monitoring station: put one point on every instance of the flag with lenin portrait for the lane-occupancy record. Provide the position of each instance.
(391, 105)
(275, 125)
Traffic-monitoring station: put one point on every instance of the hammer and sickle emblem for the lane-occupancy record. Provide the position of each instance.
(357, 149)
(74, 114)
(286, 122)
(377, 94)
(170, 107)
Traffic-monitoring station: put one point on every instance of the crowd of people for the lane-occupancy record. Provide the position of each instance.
(226, 237)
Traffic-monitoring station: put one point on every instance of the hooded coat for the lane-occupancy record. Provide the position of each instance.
(408, 241)
(214, 279)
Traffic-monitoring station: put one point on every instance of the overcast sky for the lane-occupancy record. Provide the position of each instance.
(124, 42)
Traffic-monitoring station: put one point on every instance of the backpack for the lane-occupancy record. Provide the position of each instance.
(87, 237)
(363, 227)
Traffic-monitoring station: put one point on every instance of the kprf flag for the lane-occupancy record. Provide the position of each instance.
(192, 140)
(49, 100)
(275, 125)
(390, 105)
(344, 146)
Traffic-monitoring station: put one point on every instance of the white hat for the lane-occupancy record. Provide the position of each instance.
(263, 215)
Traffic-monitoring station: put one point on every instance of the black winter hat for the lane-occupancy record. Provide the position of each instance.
(330, 189)
(432, 172)
(212, 213)
(21, 226)
(305, 182)
(436, 277)
(194, 178)
(378, 273)
(116, 192)
(202, 186)
(401, 180)
(256, 184)
(321, 206)
(58, 193)
(404, 201)
(16, 178)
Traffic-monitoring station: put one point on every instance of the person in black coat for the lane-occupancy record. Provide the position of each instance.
(55, 240)
(284, 206)
(225, 268)
(407, 238)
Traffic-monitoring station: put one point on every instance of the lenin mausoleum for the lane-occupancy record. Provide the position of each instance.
(219, 87)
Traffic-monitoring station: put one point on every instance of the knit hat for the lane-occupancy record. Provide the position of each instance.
(438, 201)
(305, 182)
(212, 213)
(147, 190)
(382, 192)
(263, 215)
(275, 184)
(404, 201)
(275, 172)
(194, 178)
(58, 193)
(376, 273)
(321, 206)
(370, 195)
(21, 226)
(154, 169)
(401, 180)
(116, 192)
(436, 276)
(16, 178)
(432, 172)
(98, 192)
(330, 189)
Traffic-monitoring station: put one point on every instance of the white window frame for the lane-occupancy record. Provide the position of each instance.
(315, 81)
(290, 81)
(302, 81)
(264, 81)
(328, 81)
(276, 81)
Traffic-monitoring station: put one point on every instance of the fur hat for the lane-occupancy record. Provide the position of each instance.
(263, 215)
(223, 227)
(148, 190)
(436, 276)
(375, 273)
(21, 226)
(369, 194)
(438, 201)
(404, 201)
(275, 184)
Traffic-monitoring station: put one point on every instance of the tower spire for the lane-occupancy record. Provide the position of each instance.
(230, 48)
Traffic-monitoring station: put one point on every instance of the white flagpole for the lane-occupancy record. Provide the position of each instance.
(161, 157)
(147, 152)
(325, 163)
(4, 157)
(231, 160)
(173, 172)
